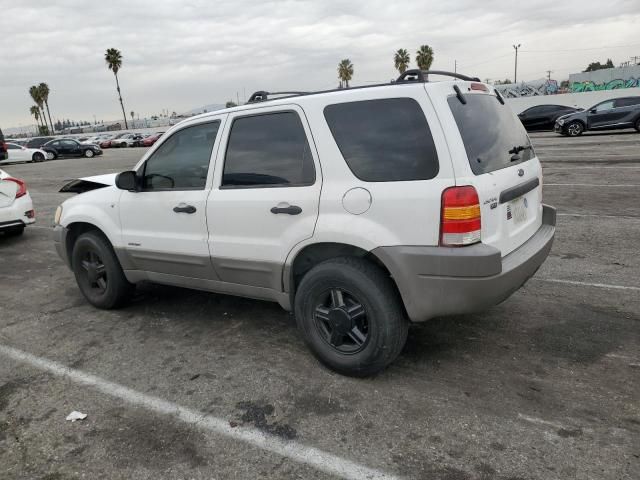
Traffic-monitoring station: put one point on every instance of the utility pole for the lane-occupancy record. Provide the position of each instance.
(549, 72)
(515, 73)
(455, 66)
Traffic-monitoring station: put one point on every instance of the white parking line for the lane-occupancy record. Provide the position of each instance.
(595, 215)
(588, 284)
(625, 185)
(318, 459)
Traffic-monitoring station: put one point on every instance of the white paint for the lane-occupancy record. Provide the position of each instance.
(316, 458)
(625, 185)
(579, 100)
(594, 215)
(588, 284)
(540, 421)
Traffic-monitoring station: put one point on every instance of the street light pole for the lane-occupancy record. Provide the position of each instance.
(515, 73)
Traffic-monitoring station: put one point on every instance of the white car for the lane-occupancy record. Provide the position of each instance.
(95, 140)
(125, 141)
(16, 207)
(360, 209)
(19, 153)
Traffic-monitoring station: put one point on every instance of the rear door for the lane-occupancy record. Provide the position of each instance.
(265, 195)
(628, 110)
(492, 152)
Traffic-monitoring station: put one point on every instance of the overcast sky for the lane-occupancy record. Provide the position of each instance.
(183, 54)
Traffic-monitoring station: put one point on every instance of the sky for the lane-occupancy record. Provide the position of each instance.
(182, 54)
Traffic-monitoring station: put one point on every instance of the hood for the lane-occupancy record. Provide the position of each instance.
(86, 184)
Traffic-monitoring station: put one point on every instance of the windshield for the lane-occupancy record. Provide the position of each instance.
(493, 136)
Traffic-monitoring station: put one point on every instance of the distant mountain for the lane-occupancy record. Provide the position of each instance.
(207, 108)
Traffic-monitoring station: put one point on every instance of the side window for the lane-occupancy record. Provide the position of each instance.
(384, 140)
(11, 146)
(268, 150)
(627, 102)
(604, 106)
(70, 143)
(182, 161)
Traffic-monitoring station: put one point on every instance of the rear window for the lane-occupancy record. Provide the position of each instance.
(490, 131)
(627, 102)
(384, 140)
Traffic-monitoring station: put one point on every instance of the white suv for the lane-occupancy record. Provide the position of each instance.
(361, 209)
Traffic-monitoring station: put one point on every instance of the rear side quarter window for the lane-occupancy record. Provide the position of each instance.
(384, 140)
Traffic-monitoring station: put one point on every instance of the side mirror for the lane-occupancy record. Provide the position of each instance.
(127, 181)
(593, 110)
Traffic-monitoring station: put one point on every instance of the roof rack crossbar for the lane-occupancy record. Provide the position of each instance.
(416, 75)
(261, 95)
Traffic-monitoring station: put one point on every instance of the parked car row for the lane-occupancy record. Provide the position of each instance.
(128, 139)
(610, 114)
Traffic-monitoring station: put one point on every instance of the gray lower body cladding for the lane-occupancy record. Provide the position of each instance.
(437, 281)
(433, 281)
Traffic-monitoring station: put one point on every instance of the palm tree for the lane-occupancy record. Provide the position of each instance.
(34, 91)
(401, 60)
(44, 94)
(35, 111)
(132, 113)
(345, 72)
(113, 57)
(424, 57)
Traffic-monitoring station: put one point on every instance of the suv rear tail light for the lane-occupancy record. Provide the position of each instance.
(22, 187)
(460, 218)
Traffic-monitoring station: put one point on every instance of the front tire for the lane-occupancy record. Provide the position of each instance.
(637, 125)
(88, 153)
(14, 231)
(38, 157)
(350, 315)
(98, 272)
(575, 129)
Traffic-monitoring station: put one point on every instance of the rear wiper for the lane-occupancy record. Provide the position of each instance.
(519, 148)
(516, 150)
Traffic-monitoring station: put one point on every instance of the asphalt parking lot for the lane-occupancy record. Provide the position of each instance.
(191, 385)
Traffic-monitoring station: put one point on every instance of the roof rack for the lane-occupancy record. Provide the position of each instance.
(261, 95)
(416, 75)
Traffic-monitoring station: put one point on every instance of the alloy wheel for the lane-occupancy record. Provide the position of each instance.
(95, 272)
(342, 322)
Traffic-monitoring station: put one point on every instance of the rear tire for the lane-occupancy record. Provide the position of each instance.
(350, 316)
(98, 272)
(38, 157)
(575, 129)
(637, 125)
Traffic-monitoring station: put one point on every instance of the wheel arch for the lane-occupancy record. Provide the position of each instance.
(311, 255)
(75, 229)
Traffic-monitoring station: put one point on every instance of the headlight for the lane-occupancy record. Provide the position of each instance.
(58, 215)
(560, 122)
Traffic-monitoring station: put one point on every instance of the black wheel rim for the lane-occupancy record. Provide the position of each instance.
(341, 321)
(94, 272)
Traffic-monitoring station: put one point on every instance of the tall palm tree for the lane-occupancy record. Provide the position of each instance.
(44, 94)
(424, 57)
(34, 91)
(113, 57)
(402, 60)
(345, 72)
(132, 113)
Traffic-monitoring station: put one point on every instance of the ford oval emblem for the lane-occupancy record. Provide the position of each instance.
(520, 172)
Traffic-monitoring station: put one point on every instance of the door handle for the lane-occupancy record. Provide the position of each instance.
(183, 208)
(290, 210)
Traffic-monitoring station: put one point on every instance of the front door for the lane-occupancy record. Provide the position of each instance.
(164, 226)
(265, 195)
(602, 115)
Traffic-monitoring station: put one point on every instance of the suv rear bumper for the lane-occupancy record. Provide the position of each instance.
(436, 281)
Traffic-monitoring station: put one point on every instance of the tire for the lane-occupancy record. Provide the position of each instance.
(574, 129)
(14, 231)
(347, 292)
(637, 125)
(38, 157)
(98, 272)
(88, 153)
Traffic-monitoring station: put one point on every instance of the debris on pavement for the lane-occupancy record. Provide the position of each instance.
(73, 416)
